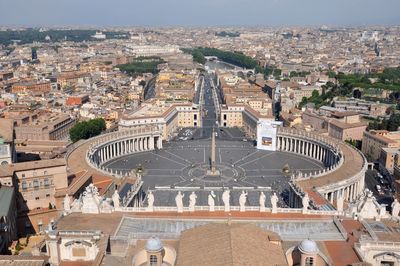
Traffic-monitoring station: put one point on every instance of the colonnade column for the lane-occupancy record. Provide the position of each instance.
(307, 152)
(159, 142)
(152, 142)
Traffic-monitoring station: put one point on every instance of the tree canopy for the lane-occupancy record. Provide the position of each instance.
(391, 124)
(388, 79)
(235, 58)
(87, 129)
(31, 35)
(142, 65)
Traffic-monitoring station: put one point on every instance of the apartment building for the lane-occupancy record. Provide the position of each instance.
(71, 78)
(243, 116)
(40, 187)
(374, 140)
(388, 158)
(38, 125)
(346, 126)
(176, 85)
(362, 107)
(37, 88)
(168, 116)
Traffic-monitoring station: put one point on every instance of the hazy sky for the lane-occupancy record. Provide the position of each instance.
(199, 12)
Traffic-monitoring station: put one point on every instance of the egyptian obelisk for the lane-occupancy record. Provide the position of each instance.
(213, 152)
(213, 171)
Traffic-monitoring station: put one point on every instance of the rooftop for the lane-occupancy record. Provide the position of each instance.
(8, 170)
(229, 244)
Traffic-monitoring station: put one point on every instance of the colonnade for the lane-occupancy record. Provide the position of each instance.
(323, 150)
(347, 192)
(308, 148)
(120, 147)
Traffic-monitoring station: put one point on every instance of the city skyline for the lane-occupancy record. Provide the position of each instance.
(202, 13)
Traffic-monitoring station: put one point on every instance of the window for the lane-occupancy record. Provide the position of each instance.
(46, 182)
(34, 173)
(153, 260)
(24, 185)
(37, 198)
(23, 175)
(47, 195)
(45, 172)
(36, 184)
(309, 261)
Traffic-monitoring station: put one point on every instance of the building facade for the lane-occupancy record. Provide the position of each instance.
(40, 187)
(373, 141)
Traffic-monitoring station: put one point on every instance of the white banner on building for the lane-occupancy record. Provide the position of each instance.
(266, 135)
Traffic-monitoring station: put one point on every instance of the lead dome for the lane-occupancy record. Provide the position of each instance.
(308, 246)
(154, 244)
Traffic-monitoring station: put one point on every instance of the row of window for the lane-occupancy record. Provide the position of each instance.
(38, 198)
(45, 172)
(36, 183)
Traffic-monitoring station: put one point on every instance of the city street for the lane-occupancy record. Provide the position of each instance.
(209, 116)
(371, 181)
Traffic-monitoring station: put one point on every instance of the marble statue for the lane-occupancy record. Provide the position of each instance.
(179, 201)
(211, 201)
(274, 203)
(368, 208)
(150, 201)
(67, 205)
(395, 208)
(226, 196)
(306, 202)
(262, 202)
(192, 201)
(115, 199)
(242, 201)
(91, 200)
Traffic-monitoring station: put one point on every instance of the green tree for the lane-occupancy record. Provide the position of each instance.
(142, 65)
(87, 129)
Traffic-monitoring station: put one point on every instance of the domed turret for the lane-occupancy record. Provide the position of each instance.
(154, 244)
(308, 246)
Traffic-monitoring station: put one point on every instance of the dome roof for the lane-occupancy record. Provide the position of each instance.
(308, 246)
(154, 244)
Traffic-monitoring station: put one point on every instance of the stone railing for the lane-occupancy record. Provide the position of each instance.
(79, 233)
(232, 208)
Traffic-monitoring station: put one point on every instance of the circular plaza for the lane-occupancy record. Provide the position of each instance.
(239, 163)
(302, 164)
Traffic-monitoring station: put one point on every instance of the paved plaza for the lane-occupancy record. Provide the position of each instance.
(183, 165)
